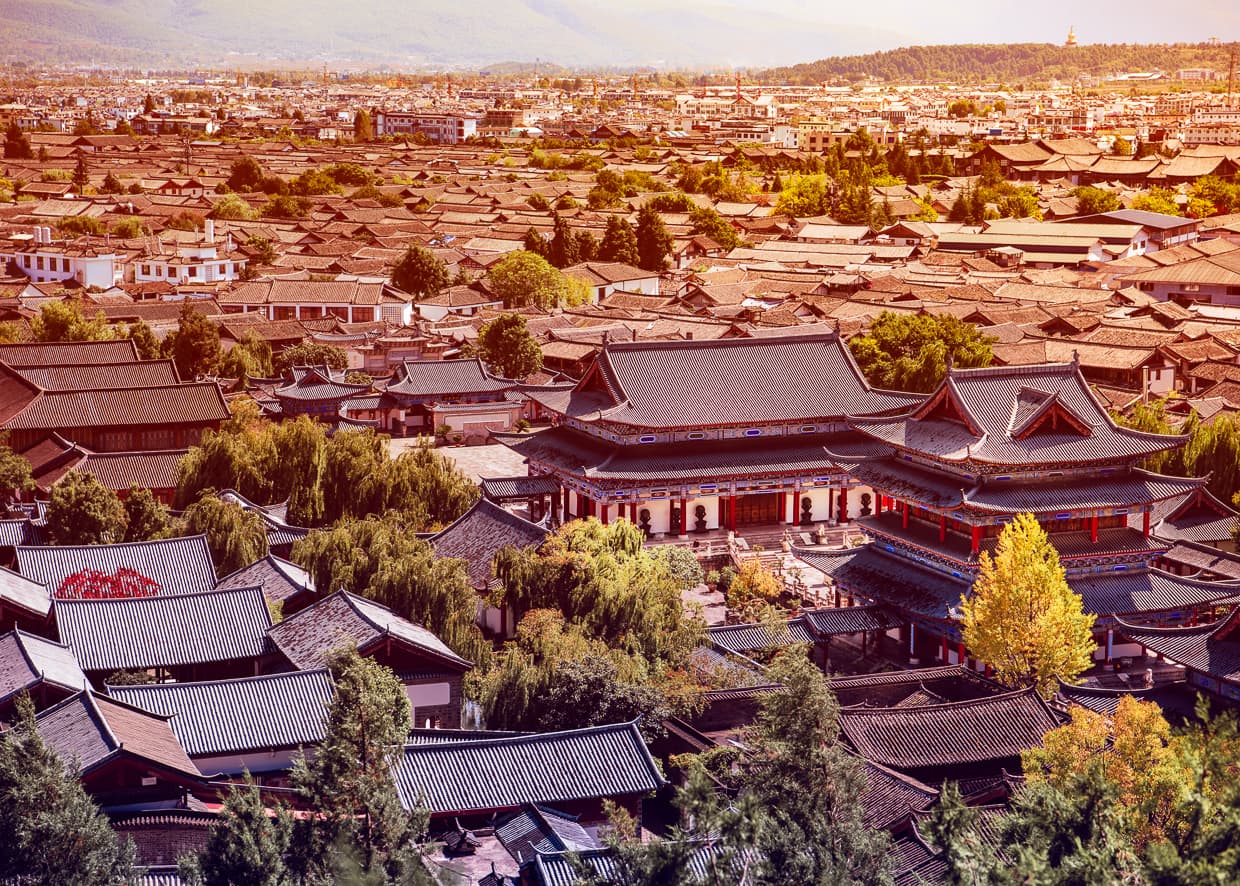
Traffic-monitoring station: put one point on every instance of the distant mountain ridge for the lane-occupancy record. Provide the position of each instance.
(726, 33)
(1008, 62)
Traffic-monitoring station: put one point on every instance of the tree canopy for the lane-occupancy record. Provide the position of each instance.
(908, 352)
(419, 272)
(523, 278)
(507, 347)
(82, 511)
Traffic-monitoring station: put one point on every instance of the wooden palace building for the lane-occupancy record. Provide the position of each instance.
(993, 443)
(692, 436)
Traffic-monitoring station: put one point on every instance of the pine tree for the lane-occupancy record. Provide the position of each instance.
(1022, 618)
(563, 249)
(16, 144)
(50, 831)
(536, 243)
(247, 844)
(654, 243)
(349, 780)
(508, 349)
(619, 242)
(81, 174)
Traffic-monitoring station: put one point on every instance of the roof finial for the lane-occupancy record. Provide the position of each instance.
(950, 361)
(1076, 357)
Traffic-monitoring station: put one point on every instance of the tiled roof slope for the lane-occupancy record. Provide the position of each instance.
(729, 382)
(177, 565)
(504, 773)
(249, 714)
(480, 533)
(308, 638)
(956, 733)
(89, 730)
(164, 631)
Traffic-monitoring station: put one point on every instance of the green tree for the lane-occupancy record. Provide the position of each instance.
(809, 785)
(15, 472)
(302, 445)
(1158, 200)
(148, 103)
(314, 182)
(522, 278)
(81, 174)
(195, 346)
(248, 843)
(245, 175)
(16, 144)
(803, 196)
(82, 511)
(145, 518)
(111, 185)
(310, 353)
(128, 228)
(264, 252)
(349, 779)
(654, 243)
(619, 242)
(563, 249)
(906, 352)
(1022, 618)
(1213, 450)
(1094, 201)
(235, 536)
(249, 356)
(233, 207)
(507, 347)
(287, 206)
(66, 321)
(50, 831)
(708, 222)
(419, 272)
(382, 560)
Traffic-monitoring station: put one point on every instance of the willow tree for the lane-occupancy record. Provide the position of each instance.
(1022, 618)
(235, 536)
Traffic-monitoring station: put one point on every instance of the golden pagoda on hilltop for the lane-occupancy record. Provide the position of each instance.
(1071, 41)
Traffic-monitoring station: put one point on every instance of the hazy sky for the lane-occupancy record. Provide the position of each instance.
(1005, 21)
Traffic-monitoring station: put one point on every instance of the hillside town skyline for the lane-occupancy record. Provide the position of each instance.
(825, 469)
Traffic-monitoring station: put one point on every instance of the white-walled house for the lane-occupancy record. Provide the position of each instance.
(200, 260)
(90, 261)
(605, 278)
(351, 301)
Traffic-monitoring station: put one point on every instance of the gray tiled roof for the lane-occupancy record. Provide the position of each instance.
(308, 638)
(24, 593)
(481, 533)
(434, 378)
(177, 565)
(27, 660)
(505, 773)
(752, 637)
(998, 402)
(164, 631)
(537, 829)
(89, 730)
(1212, 648)
(665, 384)
(278, 578)
(976, 731)
(248, 714)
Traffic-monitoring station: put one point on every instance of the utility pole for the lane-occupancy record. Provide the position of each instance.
(1231, 74)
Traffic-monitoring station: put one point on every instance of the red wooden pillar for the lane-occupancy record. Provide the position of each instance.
(844, 505)
(723, 517)
(878, 504)
(977, 540)
(961, 658)
(1145, 524)
(1093, 529)
(684, 516)
(783, 507)
(564, 511)
(633, 512)
(944, 652)
(732, 512)
(604, 509)
(591, 508)
(583, 509)
(904, 514)
(942, 528)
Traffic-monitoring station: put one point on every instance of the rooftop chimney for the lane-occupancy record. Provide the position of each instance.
(208, 232)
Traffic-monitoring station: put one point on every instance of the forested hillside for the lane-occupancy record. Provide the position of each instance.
(1010, 63)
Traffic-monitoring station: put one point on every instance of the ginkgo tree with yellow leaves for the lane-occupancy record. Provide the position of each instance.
(1021, 617)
